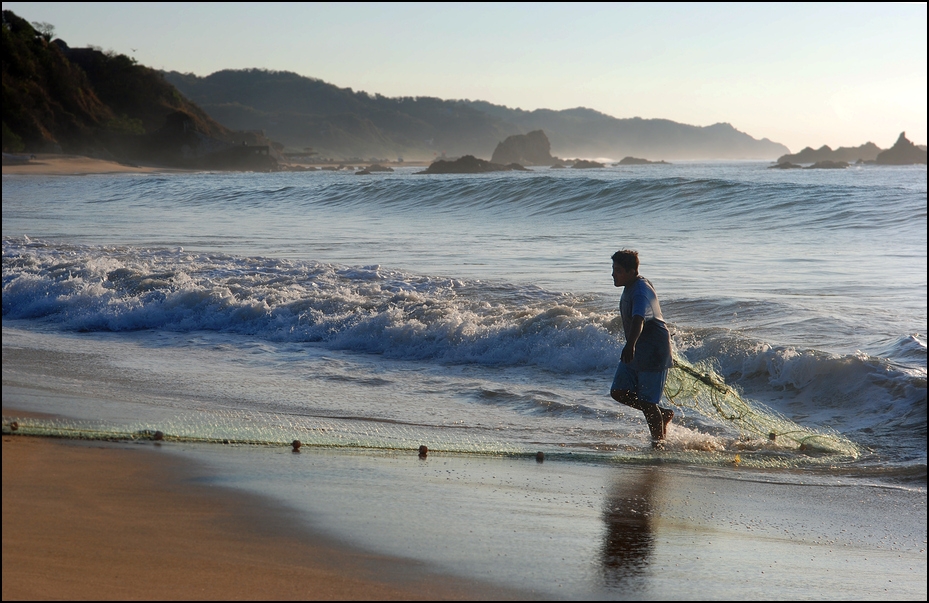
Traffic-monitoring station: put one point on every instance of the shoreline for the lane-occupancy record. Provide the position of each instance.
(57, 164)
(129, 519)
(118, 520)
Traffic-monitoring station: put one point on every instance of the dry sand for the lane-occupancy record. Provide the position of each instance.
(123, 521)
(48, 164)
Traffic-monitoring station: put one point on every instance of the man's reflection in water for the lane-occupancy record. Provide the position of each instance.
(628, 514)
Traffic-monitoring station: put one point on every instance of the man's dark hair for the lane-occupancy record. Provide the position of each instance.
(628, 259)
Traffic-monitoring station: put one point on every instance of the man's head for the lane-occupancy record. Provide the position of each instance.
(625, 267)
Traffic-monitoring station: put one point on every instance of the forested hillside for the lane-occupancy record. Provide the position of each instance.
(104, 104)
(306, 112)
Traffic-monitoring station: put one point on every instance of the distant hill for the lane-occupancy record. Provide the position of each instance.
(585, 132)
(305, 112)
(85, 101)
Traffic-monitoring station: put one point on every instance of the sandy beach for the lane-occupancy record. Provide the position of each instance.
(119, 521)
(51, 164)
(111, 520)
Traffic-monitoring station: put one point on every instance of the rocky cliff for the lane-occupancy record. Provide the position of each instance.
(866, 152)
(903, 152)
(525, 149)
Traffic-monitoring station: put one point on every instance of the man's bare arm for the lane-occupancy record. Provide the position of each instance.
(638, 323)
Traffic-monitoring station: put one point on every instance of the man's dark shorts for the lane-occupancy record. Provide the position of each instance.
(647, 385)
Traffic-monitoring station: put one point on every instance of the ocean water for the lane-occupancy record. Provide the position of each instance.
(476, 314)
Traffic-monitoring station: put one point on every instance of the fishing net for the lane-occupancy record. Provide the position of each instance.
(699, 387)
(269, 429)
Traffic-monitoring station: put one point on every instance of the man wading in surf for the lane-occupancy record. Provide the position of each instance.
(646, 358)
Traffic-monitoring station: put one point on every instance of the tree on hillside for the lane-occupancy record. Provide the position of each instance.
(46, 30)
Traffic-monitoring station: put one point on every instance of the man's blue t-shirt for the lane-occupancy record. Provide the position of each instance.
(653, 349)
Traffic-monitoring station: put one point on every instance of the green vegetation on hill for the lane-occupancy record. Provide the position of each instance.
(48, 102)
(85, 101)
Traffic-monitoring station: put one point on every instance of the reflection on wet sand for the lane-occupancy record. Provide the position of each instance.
(628, 539)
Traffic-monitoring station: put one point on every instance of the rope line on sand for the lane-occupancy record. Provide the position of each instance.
(264, 429)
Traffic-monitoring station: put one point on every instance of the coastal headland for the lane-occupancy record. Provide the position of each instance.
(85, 101)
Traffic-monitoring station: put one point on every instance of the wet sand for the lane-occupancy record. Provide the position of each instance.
(107, 520)
(187, 519)
(122, 521)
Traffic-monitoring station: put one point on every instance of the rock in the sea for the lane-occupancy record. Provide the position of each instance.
(903, 152)
(637, 161)
(372, 169)
(828, 165)
(525, 149)
(866, 152)
(469, 164)
(785, 165)
(583, 164)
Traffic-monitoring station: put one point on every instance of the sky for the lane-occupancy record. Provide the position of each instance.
(803, 75)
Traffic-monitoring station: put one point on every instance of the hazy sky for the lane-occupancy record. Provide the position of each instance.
(799, 74)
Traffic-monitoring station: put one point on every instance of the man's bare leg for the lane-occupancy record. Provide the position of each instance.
(654, 416)
(666, 415)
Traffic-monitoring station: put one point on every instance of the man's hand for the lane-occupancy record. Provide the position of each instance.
(628, 353)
